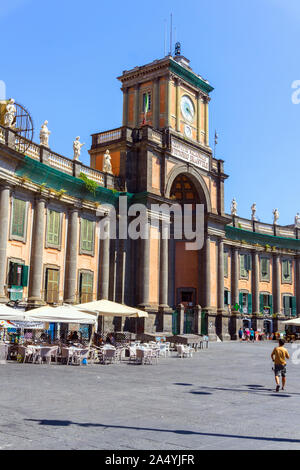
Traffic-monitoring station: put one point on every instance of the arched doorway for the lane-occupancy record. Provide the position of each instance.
(186, 263)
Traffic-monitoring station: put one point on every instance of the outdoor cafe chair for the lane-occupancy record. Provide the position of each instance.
(3, 352)
(184, 351)
(66, 355)
(79, 355)
(26, 353)
(109, 356)
(45, 355)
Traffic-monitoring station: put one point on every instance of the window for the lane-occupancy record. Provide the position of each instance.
(52, 286)
(86, 287)
(146, 98)
(17, 279)
(18, 218)
(265, 269)
(87, 236)
(266, 304)
(245, 265)
(227, 297)
(245, 302)
(289, 305)
(53, 228)
(286, 270)
(225, 263)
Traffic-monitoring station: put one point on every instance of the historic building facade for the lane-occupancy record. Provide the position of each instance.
(51, 207)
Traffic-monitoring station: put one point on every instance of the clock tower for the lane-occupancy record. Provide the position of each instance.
(167, 94)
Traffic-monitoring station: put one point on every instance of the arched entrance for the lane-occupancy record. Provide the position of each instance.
(187, 276)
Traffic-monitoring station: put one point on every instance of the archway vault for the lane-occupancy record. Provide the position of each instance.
(197, 179)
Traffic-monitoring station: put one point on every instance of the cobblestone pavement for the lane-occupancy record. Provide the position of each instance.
(222, 398)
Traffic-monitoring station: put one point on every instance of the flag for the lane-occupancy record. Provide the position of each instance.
(146, 106)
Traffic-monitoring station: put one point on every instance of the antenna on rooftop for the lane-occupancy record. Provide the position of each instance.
(171, 31)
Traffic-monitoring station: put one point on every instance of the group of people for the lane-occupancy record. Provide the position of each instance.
(247, 334)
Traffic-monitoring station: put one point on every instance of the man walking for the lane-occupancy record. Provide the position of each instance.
(279, 356)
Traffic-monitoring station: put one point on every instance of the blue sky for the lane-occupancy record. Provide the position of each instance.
(60, 59)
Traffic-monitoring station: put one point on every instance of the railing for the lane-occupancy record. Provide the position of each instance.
(103, 137)
(93, 175)
(61, 163)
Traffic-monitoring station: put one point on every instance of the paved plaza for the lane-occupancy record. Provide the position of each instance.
(222, 398)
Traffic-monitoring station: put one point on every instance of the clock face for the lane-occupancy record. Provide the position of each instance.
(188, 131)
(187, 108)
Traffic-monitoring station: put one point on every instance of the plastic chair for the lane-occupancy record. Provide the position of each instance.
(109, 356)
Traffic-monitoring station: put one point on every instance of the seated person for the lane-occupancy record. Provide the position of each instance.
(110, 339)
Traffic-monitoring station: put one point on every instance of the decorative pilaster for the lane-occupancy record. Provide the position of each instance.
(155, 104)
(37, 250)
(71, 258)
(104, 262)
(206, 105)
(169, 100)
(178, 82)
(276, 284)
(125, 106)
(255, 283)
(4, 217)
(235, 275)
(221, 276)
(207, 274)
(144, 277)
(164, 260)
(136, 106)
(199, 103)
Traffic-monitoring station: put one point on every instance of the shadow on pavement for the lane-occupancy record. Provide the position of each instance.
(48, 422)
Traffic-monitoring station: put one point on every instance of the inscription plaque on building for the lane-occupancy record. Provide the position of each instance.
(190, 155)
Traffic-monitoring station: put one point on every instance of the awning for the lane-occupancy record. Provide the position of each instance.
(111, 309)
(7, 324)
(293, 322)
(12, 314)
(62, 314)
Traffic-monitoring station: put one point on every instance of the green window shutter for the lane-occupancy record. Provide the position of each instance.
(241, 301)
(261, 303)
(13, 274)
(87, 235)
(249, 303)
(287, 270)
(86, 287)
(52, 287)
(53, 232)
(286, 304)
(243, 271)
(271, 304)
(294, 306)
(24, 277)
(18, 218)
(265, 268)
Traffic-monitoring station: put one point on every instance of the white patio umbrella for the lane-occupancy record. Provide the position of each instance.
(61, 314)
(293, 322)
(107, 308)
(12, 314)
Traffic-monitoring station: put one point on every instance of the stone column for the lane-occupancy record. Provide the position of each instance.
(4, 217)
(178, 105)
(144, 277)
(136, 106)
(221, 276)
(180, 310)
(276, 284)
(164, 260)
(206, 104)
(255, 283)
(298, 285)
(125, 106)
(155, 104)
(71, 258)
(37, 251)
(199, 102)
(235, 275)
(104, 263)
(207, 273)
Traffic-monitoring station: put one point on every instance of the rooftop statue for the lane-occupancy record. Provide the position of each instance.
(297, 220)
(276, 216)
(234, 207)
(44, 134)
(107, 168)
(253, 209)
(10, 113)
(77, 148)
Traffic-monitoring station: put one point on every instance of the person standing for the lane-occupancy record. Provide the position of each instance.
(252, 335)
(279, 356)
(241, 334)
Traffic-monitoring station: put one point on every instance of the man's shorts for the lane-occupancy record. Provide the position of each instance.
(279, 369)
